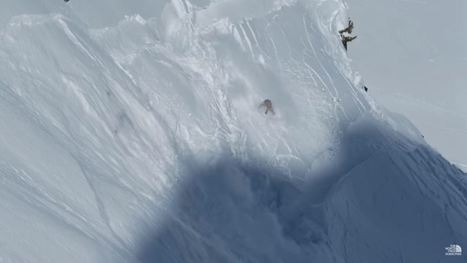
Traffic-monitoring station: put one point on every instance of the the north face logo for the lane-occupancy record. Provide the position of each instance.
(453, 250)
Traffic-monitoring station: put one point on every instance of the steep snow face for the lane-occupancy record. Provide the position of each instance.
(94, 14)
(140, 138)
(413, 56)
(401, 204)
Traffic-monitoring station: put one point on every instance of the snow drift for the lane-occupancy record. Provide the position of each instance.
(141, 140)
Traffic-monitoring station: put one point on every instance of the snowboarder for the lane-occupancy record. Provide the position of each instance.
(365, 88)
(348, 29)
(267, 103)
(346, 39)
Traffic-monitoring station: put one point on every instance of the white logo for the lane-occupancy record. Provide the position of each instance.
(453, 250)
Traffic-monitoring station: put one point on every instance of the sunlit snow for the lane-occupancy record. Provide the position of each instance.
(133, 133)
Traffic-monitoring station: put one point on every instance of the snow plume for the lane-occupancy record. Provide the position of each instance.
(143, 141)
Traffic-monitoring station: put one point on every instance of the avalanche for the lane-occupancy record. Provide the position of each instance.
(132, 133)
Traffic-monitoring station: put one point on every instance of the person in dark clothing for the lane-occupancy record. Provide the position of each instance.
(348, 29)
(267, 103)
(365, 88)
(346, 39)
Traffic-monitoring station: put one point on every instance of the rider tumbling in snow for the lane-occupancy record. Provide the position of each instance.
(345, 39)
(267, 103)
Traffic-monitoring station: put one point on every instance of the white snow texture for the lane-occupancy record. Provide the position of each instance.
(413, 56)
(131, 132)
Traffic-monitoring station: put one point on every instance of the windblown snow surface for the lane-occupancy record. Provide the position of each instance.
(132, 133)
(413, 57)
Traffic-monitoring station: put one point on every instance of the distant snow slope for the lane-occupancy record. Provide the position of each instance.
(139, 138)
(413, 57)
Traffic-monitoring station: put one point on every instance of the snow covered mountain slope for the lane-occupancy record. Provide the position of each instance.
(139, 138)
(413, 57)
